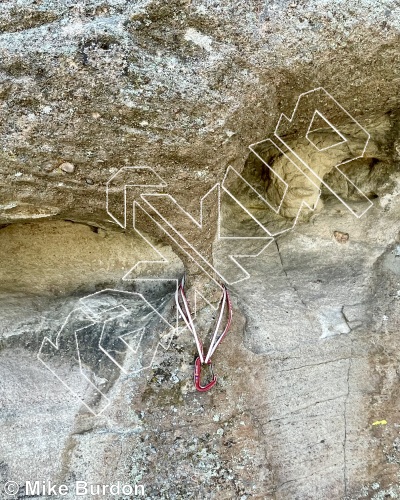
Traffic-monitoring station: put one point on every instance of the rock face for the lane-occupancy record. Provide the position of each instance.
(105, 106)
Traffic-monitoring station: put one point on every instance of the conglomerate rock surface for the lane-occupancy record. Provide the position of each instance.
(109, 103)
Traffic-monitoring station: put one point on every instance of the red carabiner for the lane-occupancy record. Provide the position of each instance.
(197, 377)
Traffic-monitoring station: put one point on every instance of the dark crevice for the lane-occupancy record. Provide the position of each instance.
(95, 229)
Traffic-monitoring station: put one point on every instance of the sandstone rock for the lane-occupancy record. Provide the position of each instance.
(178, 91)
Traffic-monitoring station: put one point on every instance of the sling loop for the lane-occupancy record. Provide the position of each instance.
(225, 303)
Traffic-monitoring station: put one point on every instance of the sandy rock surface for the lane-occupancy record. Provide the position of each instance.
(105, 105)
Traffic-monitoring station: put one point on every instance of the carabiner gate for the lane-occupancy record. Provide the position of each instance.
(197, 377)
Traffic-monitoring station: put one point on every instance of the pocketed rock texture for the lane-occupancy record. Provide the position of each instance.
(107, 104)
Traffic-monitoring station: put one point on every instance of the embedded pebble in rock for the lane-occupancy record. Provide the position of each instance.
(67, 167)
(341, 237)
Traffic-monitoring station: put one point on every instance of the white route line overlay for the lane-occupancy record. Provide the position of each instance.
(290, 120)
(200, 260)
(233, 256)
(93, 319)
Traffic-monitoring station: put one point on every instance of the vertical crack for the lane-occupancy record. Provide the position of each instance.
(292, 285)
(345, 476)
(287, 276)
